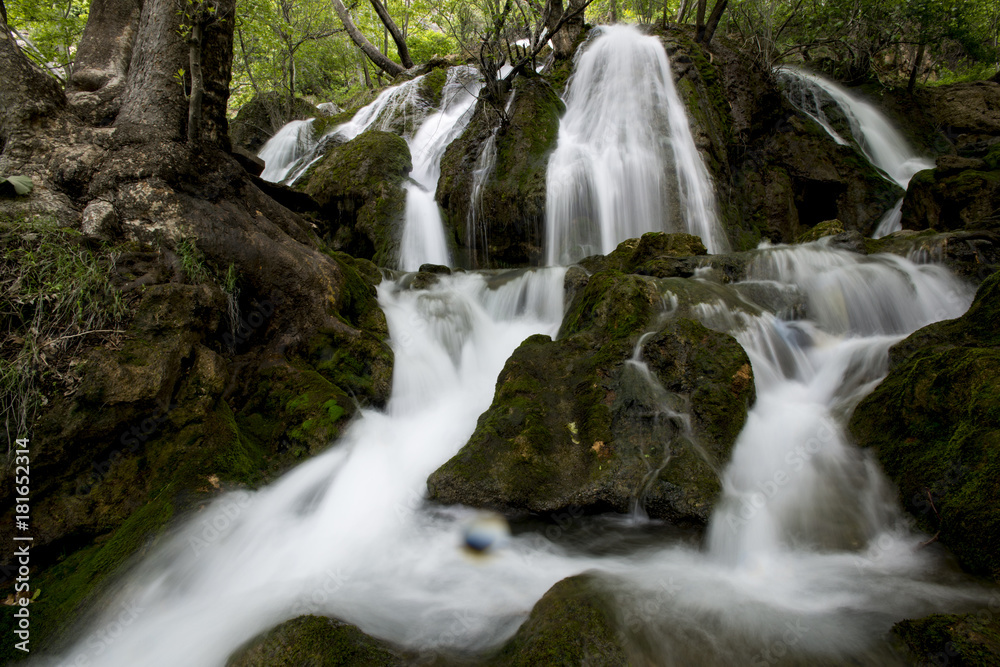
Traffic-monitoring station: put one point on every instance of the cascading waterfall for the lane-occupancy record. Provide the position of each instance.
(884, 146)
(610, 177)
(293, 142)
(806, 535)
(475, 225)
(423, 232)
(806, 547)
(294, 148)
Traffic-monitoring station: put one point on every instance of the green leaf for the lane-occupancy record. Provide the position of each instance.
(16, 185)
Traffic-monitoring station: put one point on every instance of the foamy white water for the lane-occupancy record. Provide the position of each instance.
(423, 231)
(283, 151)
(624, 146)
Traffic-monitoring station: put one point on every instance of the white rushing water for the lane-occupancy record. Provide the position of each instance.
(423, 232)
(293, 142)
(884, 146)
(624, 148)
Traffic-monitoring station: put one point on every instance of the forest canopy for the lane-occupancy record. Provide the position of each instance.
(305, 48)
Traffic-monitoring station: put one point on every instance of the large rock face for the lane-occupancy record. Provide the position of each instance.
(359, 186)
(777, 173)
(575, 423)
(968, 114)
(509, 207)
(934, 423)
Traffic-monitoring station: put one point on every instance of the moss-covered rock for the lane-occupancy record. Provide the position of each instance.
(575, 423)
(511, 208)
(953, 199)
(822, 230)
(966, 640)
(359, 186)
(573, 624)
(972, 255)
(934, 423)
(315, 641)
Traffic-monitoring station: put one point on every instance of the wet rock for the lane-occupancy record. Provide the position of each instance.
(359, 186)
(934, 424)
(947, 165)
(949, 199)
(512, 200)
(573, 624)
(966, 113)
(574, 423)
(972, 255)
(822, 230)
(318, 642)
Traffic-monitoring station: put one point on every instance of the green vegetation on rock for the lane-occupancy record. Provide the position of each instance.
(934, 424)
(359, 186)
(318, 642)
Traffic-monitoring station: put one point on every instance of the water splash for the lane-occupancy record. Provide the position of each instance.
(610, 177)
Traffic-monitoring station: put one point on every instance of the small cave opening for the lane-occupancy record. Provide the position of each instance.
(816, 201)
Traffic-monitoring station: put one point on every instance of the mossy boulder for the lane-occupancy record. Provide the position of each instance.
(655, 254)
(359, 185)
(934, 423)
(948, 199)
(510, 210)
(575, 423)
(822, 230)
(573, 624)
(315, 641)
(963, 640)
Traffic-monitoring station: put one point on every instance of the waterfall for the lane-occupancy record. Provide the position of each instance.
(293, 142)
(879, 140)
(423, 231)
(608, 179)
(294, 148)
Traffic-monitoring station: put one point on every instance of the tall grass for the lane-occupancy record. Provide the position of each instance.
(56, 295)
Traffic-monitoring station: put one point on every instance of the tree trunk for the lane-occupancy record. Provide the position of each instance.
(153, 104)
(699, 21)
(197, 84)
(369, 49)
(3, 12)
(26, 93)
(397, 35)
(102, 59)
(713, 20)
(916, 68)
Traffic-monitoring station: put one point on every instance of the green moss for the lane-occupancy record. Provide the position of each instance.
(573, 624)
(432, 85)
(935, 425)
(969, 640)
(821, 230)
(359, 186)
(315, 641)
